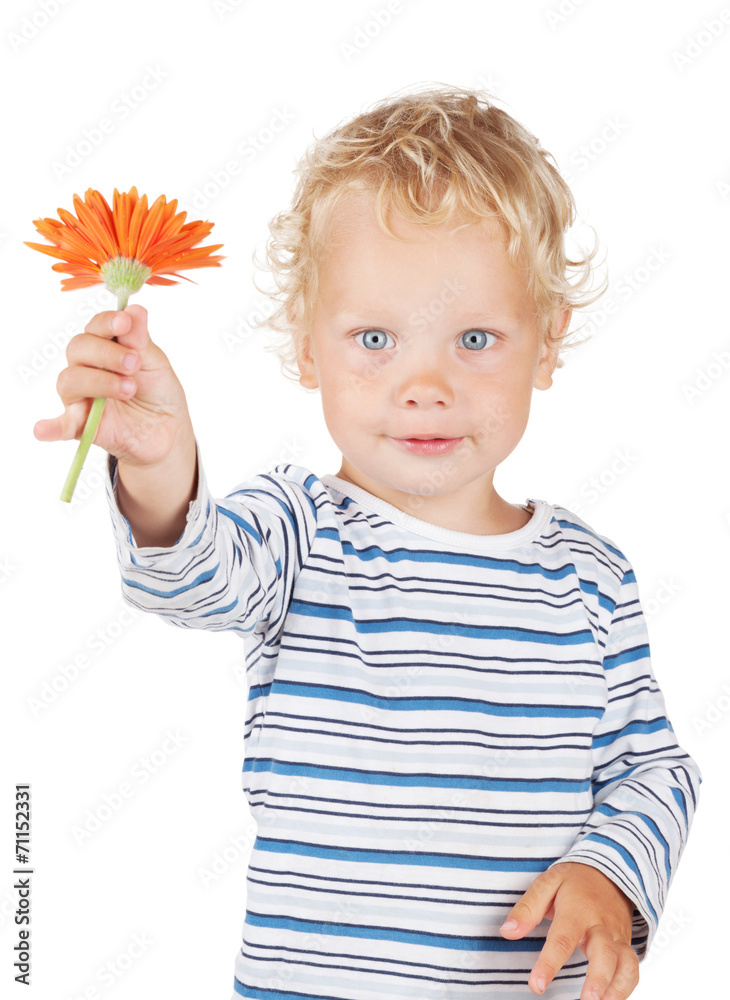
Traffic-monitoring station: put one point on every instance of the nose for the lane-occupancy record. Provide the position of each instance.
(426, 382)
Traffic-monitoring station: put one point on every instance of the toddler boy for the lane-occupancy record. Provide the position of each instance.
(459, 761)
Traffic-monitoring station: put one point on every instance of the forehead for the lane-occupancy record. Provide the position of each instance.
(355, 218)
(362, 267)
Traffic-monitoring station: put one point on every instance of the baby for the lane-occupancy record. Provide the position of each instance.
(460, 765)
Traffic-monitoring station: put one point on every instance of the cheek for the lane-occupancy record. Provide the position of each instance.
(342, 403)
(360, 375)
(504, 407)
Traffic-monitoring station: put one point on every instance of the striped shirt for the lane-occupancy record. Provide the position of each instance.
(433, 719)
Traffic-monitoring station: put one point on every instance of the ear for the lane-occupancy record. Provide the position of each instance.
(305, 363)
(548, 353)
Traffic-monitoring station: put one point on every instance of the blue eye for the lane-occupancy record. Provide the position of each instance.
(475, 339)
(380, 336)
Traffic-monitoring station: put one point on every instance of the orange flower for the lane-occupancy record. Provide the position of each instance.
(125, 247)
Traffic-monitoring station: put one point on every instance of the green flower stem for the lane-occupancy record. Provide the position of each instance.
(92, 423)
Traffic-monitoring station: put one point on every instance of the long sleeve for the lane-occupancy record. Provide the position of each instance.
(645, 786)
(234, 563)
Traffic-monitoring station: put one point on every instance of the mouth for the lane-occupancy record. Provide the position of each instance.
(423, 445)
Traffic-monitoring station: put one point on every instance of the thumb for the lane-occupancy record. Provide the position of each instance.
(531, 908)
(63, 428)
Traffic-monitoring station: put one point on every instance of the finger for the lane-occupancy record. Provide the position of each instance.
(130, 330)
(626, 977)
(602, 955)
(561, 941)
(528, 911)
(81, 382)
(89, 350)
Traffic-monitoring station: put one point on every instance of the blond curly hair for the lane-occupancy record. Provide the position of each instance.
(431, 156)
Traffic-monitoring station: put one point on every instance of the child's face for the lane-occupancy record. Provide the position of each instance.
(424, 368)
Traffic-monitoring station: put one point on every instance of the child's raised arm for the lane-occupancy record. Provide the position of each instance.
(196, 561)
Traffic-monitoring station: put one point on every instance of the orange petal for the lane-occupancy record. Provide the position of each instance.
(95, 229)
(98, 204)
(135, 224)
(151, 227)
(121, 222)
(51, 251)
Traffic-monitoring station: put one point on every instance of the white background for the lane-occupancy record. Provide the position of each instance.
(641, 410)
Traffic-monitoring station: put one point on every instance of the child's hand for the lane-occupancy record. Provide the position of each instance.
(139, 425)
(589, 912)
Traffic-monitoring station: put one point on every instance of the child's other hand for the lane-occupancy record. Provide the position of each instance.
(140, 424)
(589, 912)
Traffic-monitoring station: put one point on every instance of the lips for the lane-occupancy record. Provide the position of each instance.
(428, 446)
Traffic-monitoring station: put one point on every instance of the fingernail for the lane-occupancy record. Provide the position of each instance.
(129, 361)
(540, 985)
(509, 925)
(115, 324)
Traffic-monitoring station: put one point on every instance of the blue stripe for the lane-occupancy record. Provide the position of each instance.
(441, 627)
(379, 933)
(364, 855)
(630, 655)
(329, 772)
(197, 582)
(631, 727)
(437, 704)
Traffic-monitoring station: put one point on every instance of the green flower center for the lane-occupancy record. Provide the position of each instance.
(124, 275)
